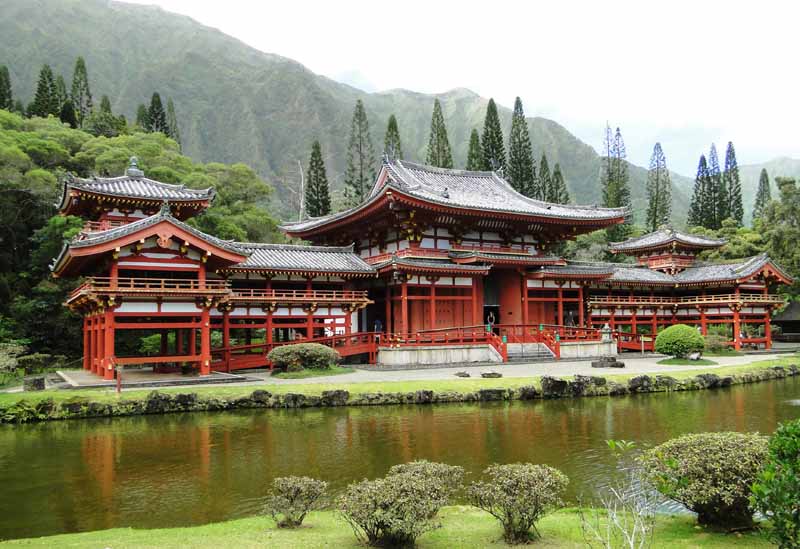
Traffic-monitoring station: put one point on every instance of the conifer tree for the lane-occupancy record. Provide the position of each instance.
(698, 208)
(19, 107)
(616, 193)
(61, 92)
(659, 192)
(391, 141)
(318, 199)
(439, 153)
(716, 205)
(494, 152)
(67, 114)
(156, 115)
(474, 152)
(560, 194)
(105, 105)
(45, 100)
(520, 154)
(733, 185)
(81, 95)
(143, 117)
(6, 97)
(763, 196)
(172, 122)
(360, 172)
(545, 179)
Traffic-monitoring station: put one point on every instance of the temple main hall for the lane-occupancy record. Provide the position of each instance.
(433, 258)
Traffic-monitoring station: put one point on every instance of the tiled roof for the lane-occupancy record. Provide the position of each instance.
(482, 191)
(724, 271)
(135, 186)
(664, 237)
(305, 258)
(496, 256)
(429, 264)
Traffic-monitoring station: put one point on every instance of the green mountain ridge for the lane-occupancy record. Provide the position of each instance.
(238, 104)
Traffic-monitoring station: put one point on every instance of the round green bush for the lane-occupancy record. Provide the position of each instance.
(518, 495)
(710, 473)
(679, 341)
(776, 493)
(300, 356)
(292, 498)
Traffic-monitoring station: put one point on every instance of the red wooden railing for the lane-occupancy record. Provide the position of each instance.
(304, 296)
(458, 335)
(717, 299)
(170, 286)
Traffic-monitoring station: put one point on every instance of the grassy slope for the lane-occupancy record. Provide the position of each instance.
(461, 527)
(236, 104)
(456, 384)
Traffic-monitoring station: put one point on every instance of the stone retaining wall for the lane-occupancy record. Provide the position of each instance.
(580, 386)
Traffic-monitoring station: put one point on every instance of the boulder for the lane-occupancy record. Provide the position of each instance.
(607, 362)
(462, 374)
(553, 387)
(423, 397)
(33, 383)
(262, 397)
(640, 384)
(186, 400)
(666, 383)
(695, 356)
(294, 400)
(158, 403)
(486, 395)
(707, 381)
(337, 397)
(491, 375)
(528, 392)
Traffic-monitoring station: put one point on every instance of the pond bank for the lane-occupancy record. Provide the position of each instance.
(462, 526)
(58, 405)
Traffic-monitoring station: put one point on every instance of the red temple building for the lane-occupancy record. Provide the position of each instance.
(427, 260)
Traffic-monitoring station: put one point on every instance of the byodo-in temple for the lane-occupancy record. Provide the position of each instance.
(435, 265)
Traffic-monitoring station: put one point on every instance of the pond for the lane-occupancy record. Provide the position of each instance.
(177, 470)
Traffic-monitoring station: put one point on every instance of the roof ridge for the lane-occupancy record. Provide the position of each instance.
(299, 247)
(436, 169)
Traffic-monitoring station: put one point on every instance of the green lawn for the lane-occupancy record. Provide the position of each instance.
(303, 374)
(725, 352)
(687, 362)
(462, 526)
(461, 385)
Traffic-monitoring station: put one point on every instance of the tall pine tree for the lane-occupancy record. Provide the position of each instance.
(559, 193)
(157, 116)
(172, 122)
(474, 153)
(716, 206)
(733, 185)
(81, 94)
(439, 153)
(545, 179)
(616, 193)
(6, 97)
(659, 192)
(143, 117)
(105, 105)
(45, 101)
(698, 208)
(494, 152)
(318, 198)
(763, 195)
(520, 154)
(360, 172)
(392, 145)
(67, 114)
(61, 91)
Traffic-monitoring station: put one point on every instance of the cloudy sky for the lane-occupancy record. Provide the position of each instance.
(679, 72)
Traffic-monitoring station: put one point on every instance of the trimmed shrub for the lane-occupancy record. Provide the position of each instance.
(445, 479)
(292, 498)
(392, 511)
(776, 493)
(679, 341)
(518, 495)
(710, 473)
(716, 343)
(300, 356)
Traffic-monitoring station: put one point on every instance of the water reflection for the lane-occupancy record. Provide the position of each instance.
(158, 471)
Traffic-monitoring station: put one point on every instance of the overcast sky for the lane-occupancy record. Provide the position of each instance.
(682, 73)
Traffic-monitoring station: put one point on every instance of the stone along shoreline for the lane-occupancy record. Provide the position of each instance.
(44, 408)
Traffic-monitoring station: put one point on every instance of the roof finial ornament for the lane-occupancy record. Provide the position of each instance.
(445, 193)
(133, 168)
(165, 209)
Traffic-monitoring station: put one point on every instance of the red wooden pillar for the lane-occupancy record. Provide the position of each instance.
(525, 312)
(433, 304)
(226, 328)
(737, 326)
(86, 344)
(560, 305)
(581, 319)
(310, 319)
(634, 313)
(101, 342)
(477, 300)
(95, 344)
(108, 346)
(164, 343)
(388, 324)
(703, 325)
(205, 342)
(767, 330)
(404, 306)
(193, 340)
(179, 342)
(348, 321)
